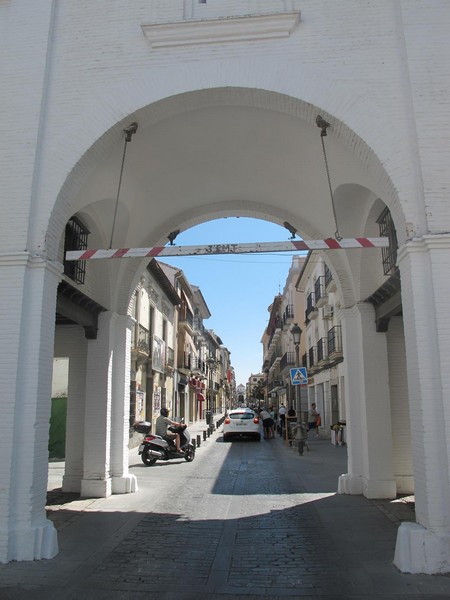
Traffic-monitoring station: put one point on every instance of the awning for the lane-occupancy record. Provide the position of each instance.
(200, 397)
(278, 390)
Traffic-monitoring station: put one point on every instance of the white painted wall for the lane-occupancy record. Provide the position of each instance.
(377, 70)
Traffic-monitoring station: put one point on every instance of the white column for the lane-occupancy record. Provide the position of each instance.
(424, 546)
(369, 431)
(398, 385)
(96, 480)
(70, 341)
(27, 320)
(122, 481)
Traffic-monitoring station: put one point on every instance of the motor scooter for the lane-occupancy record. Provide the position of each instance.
(154, 447)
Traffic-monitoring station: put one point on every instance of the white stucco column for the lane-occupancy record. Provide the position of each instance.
(398, 385)
(122, 481)
(369, 431)
(27, 320)
(96, 482)
(424, 546)
(70, 341)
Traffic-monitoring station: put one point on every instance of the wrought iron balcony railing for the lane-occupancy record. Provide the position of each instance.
(287, 361)
(334, 341)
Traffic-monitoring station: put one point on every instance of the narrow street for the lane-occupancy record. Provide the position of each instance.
(244, 519)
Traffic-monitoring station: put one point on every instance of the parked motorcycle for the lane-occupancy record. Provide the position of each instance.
(155, 447)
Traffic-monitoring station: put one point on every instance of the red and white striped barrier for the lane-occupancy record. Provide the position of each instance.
(245, 248)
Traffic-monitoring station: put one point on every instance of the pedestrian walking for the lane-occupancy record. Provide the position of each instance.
(282, 416)
(268, 424)
(313, 417)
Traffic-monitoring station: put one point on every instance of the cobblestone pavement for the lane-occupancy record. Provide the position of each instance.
(245, 519)
(242, 529)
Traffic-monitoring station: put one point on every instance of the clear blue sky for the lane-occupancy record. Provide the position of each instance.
(238, 289)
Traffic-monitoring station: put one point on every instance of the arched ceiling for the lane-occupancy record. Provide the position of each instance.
(220, 158)
(209, 161)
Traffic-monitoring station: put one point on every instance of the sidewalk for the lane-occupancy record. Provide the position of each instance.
(57, 498)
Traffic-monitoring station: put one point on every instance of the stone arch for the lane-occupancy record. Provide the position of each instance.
(340, 136)
(97, 144)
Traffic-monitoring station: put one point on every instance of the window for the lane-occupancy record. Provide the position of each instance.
(75, 239)
(389, 254)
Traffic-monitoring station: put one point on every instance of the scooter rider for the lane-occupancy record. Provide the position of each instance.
(162, 423)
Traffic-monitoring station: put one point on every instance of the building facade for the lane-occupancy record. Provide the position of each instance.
(153, 347)
(280, 353)
(323, 356)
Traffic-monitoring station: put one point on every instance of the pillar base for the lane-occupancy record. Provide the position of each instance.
(419, 550)
(349, 484)
(370, 488)
(379, 488)
(95, 488)
(127, 484)
(34, 543)
(71, 483)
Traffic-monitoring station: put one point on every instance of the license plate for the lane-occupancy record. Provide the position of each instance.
(141, 448)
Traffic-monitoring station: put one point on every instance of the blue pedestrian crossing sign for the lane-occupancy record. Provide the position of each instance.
(299, 376)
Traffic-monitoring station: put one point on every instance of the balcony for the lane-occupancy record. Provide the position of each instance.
(198, 366)
(187, 319)
(322, 352)
(198, 327)
(185, 361)
(275, 360)
(328, 312)
(169, 366)
(334, 341)
(140, 346)
(288, 315)
(274, 338)
(311, 311)
(330, 284)
(320, 292)
(312, 359)
(287, 361)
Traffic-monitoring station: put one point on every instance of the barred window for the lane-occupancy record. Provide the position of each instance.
(389, 254)
(75, 239)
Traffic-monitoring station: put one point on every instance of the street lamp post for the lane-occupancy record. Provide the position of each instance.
(209, 415)
(297, 336)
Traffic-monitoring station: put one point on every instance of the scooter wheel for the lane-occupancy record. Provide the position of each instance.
(189, 455)
(147, 459)
(301, 447)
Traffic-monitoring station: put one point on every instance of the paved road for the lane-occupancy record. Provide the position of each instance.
(245, 519)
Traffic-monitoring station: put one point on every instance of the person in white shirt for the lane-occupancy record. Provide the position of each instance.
(282, 414)
(268, 424)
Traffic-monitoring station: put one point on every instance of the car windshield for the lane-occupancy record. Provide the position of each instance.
(241, 415)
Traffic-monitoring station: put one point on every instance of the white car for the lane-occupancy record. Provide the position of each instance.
(241, 422)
